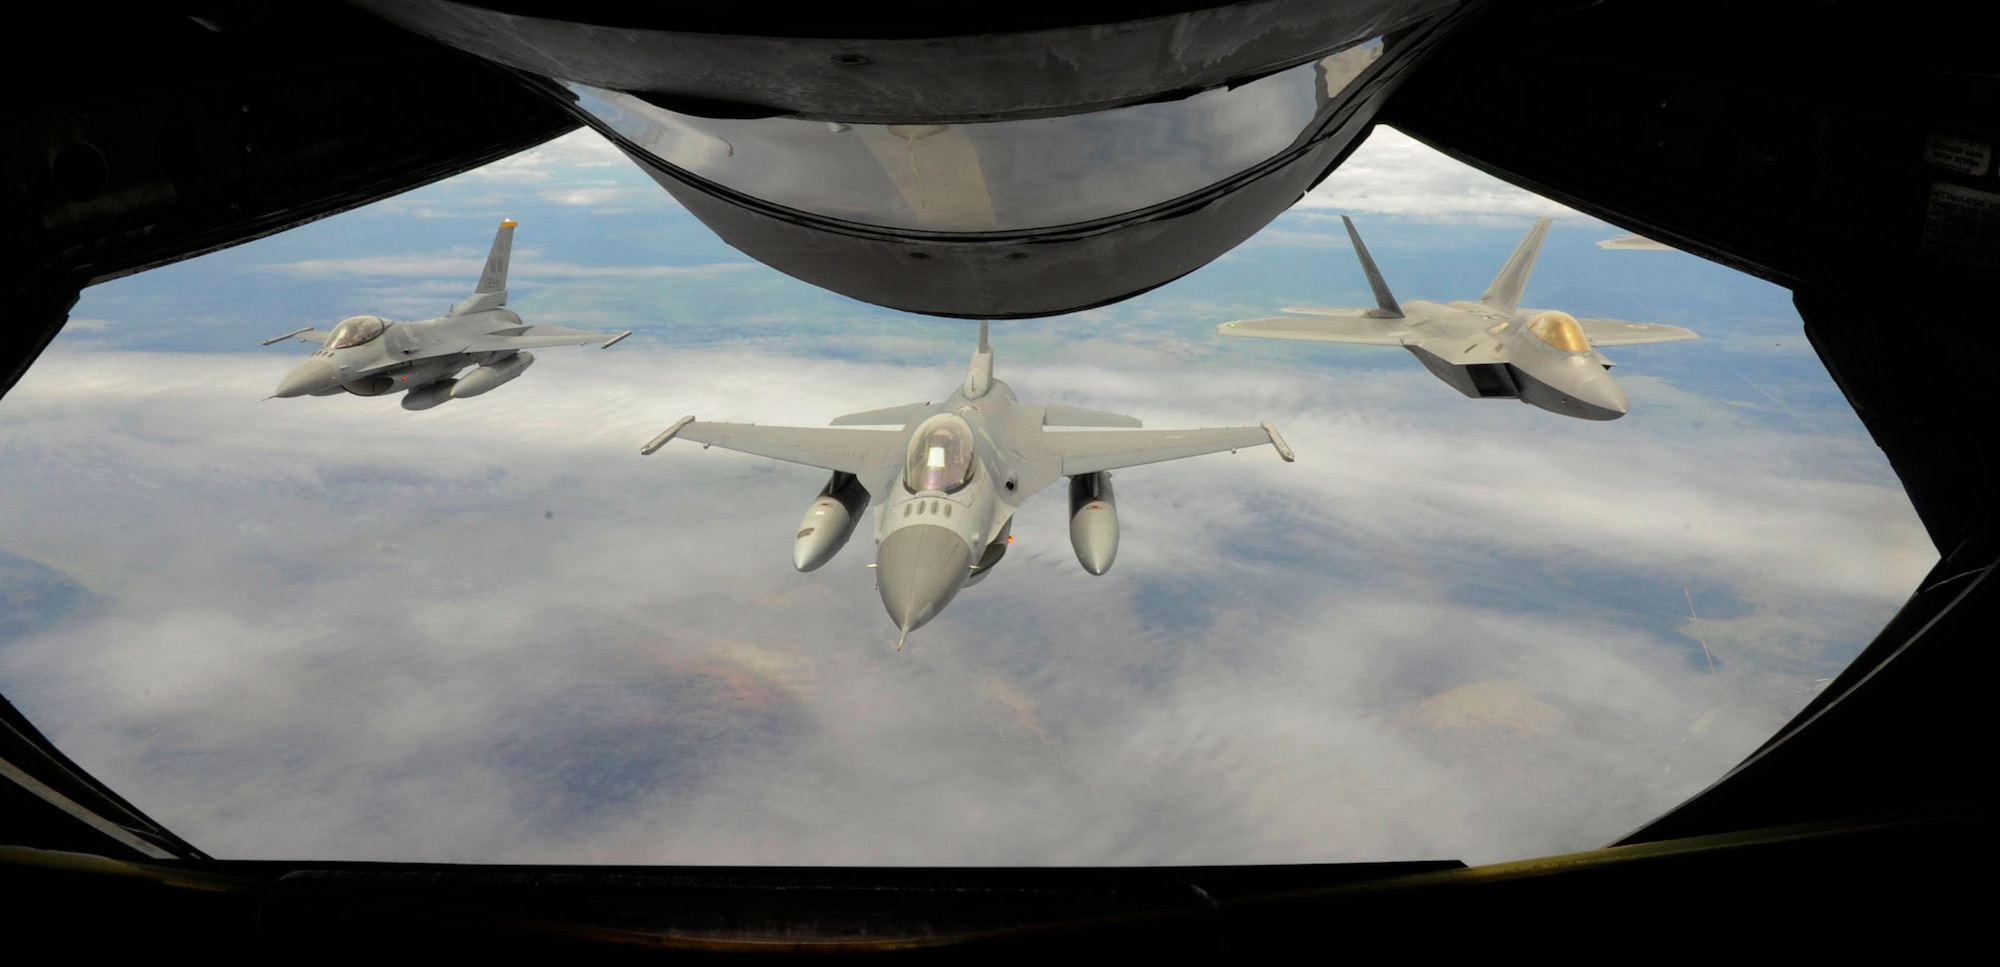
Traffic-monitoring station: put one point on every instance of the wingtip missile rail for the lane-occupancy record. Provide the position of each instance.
(1278, 442)
(665, 435)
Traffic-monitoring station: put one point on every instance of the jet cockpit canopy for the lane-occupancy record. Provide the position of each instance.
(940, 456)
(1559, 329)
(355, 330)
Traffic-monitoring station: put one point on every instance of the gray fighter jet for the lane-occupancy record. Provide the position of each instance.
(370, 356)
(950, 479)
(1488, 349)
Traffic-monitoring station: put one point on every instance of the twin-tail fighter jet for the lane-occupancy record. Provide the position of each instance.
(950, 479)
(371, 356)
(1489, 349)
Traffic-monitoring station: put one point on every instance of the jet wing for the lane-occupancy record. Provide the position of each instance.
(532, 337)
(886, 416)
(1324, 325)
(1058, 414)
(1616, 332)
(1088, 451)
(826, 447)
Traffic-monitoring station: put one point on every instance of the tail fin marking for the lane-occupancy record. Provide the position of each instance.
(492, 290)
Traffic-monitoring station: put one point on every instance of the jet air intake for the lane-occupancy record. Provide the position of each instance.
(1093, 521)
(371, 386)
(829, 522)
(995, 550)
(489, 377)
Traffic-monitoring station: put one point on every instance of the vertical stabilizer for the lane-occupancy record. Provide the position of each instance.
(1389, 308)
(979, 376)
(1505, 292)
(492, 290)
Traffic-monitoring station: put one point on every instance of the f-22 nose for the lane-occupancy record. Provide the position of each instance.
(311, 376)
(1604, 398)
(918, 570)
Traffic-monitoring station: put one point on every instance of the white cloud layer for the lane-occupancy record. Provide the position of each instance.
(579, 153)
(1394, 173)
(579, 170)
(491, 631)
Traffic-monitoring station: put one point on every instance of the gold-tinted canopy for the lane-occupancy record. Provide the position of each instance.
(1559, 329)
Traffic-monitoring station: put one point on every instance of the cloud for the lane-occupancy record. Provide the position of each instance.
(491, 631)
(603, 196)
(1396, 174)
(579, 170)
(559, 159)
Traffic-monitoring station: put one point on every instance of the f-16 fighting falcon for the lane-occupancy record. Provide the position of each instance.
(370, 356)
(950, 479)
(1488, 349)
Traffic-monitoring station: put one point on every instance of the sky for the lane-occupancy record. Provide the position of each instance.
(493, 632)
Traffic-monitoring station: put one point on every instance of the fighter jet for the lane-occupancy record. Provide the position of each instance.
(1488, 349)
(370, 355)
(950, 478)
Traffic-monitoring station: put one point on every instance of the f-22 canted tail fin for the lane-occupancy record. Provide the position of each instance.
(1505, 292)
(492, 290)
(1385, 301)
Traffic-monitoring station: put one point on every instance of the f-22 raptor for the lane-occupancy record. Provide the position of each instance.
(1489, 349)
(370, 356)
(952, 476)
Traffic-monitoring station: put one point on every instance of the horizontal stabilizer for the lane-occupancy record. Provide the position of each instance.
(492, 290)
(1505, 292)
(886, 416)
(1617, 332)
(1056, 414)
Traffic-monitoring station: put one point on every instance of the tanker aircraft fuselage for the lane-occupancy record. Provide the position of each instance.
(950, 478)
(371, 356)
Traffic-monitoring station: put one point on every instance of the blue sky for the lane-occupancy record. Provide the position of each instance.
(493, 632)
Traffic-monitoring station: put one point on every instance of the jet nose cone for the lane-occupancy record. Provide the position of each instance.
(312, 376)
(918, 570)
(1605, 398)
